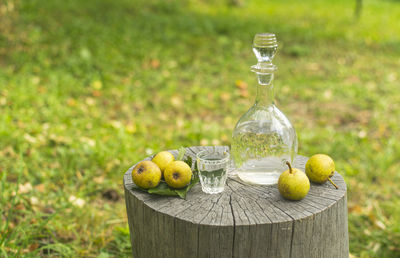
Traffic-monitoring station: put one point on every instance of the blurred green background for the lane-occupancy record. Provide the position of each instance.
(88, 88)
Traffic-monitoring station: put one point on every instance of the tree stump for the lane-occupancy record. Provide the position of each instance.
(243, 221)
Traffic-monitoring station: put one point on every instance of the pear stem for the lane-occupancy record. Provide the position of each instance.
(330, 180)
(290, 167)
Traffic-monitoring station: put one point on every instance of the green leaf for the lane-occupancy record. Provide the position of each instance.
(194, 181)
(181, 153)
(182, 192)
(189, 161)
(162, 189)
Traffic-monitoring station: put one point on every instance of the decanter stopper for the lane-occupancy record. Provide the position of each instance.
(265, 46)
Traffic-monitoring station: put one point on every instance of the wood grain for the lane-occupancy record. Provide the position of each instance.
(243, 221)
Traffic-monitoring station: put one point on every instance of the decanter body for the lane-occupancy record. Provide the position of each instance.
(263, 138)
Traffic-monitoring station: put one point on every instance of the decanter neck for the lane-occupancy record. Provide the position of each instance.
(265, 94)
(264, 47)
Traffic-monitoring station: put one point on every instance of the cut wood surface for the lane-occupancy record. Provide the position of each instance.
(243, 221)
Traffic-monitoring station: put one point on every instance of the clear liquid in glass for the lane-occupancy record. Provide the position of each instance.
(212, 166)
(213, 181)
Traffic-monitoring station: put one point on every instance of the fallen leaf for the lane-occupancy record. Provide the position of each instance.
(376, 247)
(203, 142)
(131, 128)
(371, 85)
(327, 94)
(392, 77)
(45, 126)
(99, 179)
(362, 134)
(19, 207)
(55, 165)
(285, 89)
(352, 79)
(40, 188)
(225, 96)
(29, 138)
(176, 101)
(180, 122)
(244, 93)
(89, 126)
(34, 200)
(71, 102)
(382, 130)
(166, 73)
(116, 124)
(356, 209)
(88, 141)
(25, 188)
(35, 80)
(33, 247)
(3, 101)
(42, 89)
(215, 142)
(96, 93)
(163, 116)
(380, 224)
(78, 175)
(155, 63)
(313, 66)
(76, 201)
(97, 84)
(111, 164)
(90, 101)
(241, 84)
(48, 210)
(228, 120)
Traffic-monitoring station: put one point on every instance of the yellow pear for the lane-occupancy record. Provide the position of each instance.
(146, 174)
(293, 184)
(162, 159)
(177, 174)
(320, 168)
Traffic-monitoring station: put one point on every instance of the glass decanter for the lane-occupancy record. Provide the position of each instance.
(263, 138)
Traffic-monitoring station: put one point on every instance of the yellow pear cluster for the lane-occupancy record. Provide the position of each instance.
(148, 174)
(294, 184)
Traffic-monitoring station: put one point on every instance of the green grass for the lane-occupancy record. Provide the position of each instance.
(88, 88)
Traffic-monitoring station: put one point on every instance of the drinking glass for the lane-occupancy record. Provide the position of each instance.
(212, 166)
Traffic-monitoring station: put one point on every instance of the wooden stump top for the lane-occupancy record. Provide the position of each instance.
(240, 203)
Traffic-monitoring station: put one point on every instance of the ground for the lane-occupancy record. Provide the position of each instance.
(88, 88)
